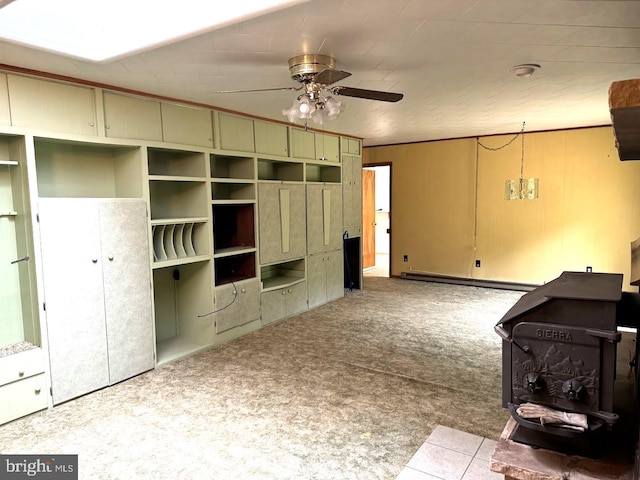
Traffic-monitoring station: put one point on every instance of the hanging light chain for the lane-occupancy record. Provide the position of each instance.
(493, 149)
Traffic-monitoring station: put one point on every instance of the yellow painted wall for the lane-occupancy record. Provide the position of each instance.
(444, 217)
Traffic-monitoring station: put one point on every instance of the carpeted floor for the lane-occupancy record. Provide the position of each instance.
(349, 390)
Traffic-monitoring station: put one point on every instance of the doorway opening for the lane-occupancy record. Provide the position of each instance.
(376, 220)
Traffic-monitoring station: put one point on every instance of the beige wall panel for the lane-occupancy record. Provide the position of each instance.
(432, 205)
(587, 214)
(5, 114)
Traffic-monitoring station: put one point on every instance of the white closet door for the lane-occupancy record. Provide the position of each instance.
(72, 273)
(127, 288)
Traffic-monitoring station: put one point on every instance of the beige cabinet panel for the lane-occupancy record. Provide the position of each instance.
(284, 302)
(324, 218)
(52, 106)
(271, 138)
(282, 222)
(127, 288)
(325, 277)
(21, 398)
(132, 117)
(238, 303)
(5, 115)
(187, 125)
(352, 191)
(21, 365)
(95, 264)
(327, 147)
(335, 275)
(236, 133)
(351, 146)
(303, 144)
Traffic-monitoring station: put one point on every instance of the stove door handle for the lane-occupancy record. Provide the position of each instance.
(503, 333)
(613, 337)
(499, 329)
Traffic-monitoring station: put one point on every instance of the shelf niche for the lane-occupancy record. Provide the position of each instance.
(83, 170)
(235, 268)
(233, 227)
(176, 163)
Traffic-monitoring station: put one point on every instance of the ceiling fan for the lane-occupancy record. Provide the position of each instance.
(316, 74)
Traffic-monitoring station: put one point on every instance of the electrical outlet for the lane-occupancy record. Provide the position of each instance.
(589, 269)
(405, 258)
(478, 263)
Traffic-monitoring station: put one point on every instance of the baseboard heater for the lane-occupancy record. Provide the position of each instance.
(474, 282)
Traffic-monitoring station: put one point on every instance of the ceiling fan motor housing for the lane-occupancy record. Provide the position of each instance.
(304, 67)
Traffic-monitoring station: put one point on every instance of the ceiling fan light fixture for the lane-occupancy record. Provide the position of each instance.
(525, 70)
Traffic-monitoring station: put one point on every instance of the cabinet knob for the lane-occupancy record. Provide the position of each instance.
(107, 127)
(243, 290)
(91, 124)
(94, 260)
(21, 373)
(284, 292)
(110, 257)
(289, 291)
(37, 391)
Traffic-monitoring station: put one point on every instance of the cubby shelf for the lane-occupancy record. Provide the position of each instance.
(228, 252)
(282, 274)
(274, 283)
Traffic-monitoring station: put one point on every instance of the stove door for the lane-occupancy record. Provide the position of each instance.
(556, 365)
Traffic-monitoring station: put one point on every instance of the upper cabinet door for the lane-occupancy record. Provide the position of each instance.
(187, 125)
(351, 146)
(52, 106)
(303, 144)
(236, 133)
(132, 117)
(327, 147)
(5, 116)
(271, 138)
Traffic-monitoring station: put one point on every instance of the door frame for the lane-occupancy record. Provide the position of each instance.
(390, 165)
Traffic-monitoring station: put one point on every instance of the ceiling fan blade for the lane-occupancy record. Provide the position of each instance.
(258, 90)
(369, 94)
(329, 76)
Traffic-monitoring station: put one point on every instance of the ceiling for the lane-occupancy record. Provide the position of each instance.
(452, 59)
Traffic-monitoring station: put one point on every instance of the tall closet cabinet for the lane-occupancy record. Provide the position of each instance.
(137, 231)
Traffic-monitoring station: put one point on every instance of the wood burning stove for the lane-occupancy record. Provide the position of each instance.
(559, 351)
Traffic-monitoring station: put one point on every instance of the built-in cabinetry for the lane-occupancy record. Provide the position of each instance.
(315, 145)
(97, 290)
(23, 385)
(324, 243)
(161, 229)
(352, 194)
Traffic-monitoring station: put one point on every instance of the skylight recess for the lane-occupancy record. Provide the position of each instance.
(104, 31)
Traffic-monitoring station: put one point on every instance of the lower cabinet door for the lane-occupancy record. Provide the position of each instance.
(237, 304)
(23, 397)
(273, 306)
(317, 279)
(335, 275)
(296, 299)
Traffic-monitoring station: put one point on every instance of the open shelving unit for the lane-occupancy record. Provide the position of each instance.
(284, 274)
(178, 193)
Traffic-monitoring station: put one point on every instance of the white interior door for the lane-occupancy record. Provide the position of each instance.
(74, 298)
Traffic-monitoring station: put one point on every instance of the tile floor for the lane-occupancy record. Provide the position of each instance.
(449, 454)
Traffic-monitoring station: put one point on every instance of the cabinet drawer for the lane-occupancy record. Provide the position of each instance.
(21, 365)
(21, 398)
